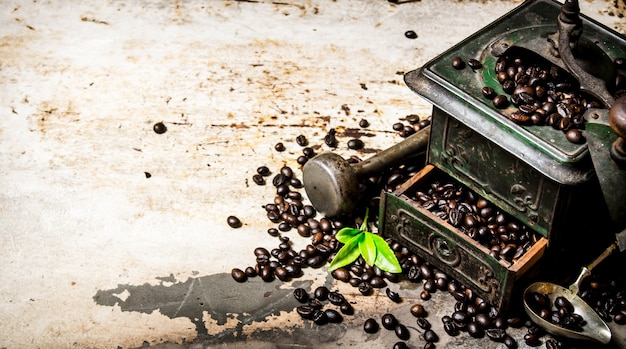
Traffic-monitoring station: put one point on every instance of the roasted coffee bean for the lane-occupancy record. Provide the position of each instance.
(508, 86)
(238, 275)
(250, 272)
(460, 317)
(496, 334)
(293, 270)
(365, 288)
(233, 222)
(450, 328)
(394, 296)
(316, 261)
(279, 147)
(287, 172)
(315, 303)
(458, 63)
(355, 144)
(427, 273)
(336, 298)
(389, 321)
(159, 128)
(562, 302)
(531, 339)
(500, 101)
(402, 332)
(410, 34)
(308, 152)
(346, 308)
(475, 330)
(266, 273)
(398, 126)
(305, 311)
(321, 293)
(424, 295)
(320, 317)
(364, 123)
(258, 179)
(296, 183)
(551, 344)
(261, 251)
(423, 323)
(301, 160)
(333, 316)
(509, 342)
(400, 345)
(281, 273)
(370, 326)
(414, 274)
(280, 179)
(483, 319)
(430, 285)
(273, 232)
(575, 136)
(377, 282)
(301, 295)
(418, 310)
(430, 336)
(474, 63)
(263, 171)
(330, 138)
(302, 141)
(341, 274)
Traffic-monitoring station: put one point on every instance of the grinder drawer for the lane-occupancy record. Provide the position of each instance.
(449, 248)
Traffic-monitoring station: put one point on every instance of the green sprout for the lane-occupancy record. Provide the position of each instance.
(372, 247)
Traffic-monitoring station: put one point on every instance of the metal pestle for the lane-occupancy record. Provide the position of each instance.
(332, 183)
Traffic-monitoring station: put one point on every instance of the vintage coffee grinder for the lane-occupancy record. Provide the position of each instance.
(560, 194)
(570, 192)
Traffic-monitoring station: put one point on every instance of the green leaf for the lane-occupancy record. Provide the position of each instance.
(345, 234)
(347, 254)
(385, 258)
(368, 249)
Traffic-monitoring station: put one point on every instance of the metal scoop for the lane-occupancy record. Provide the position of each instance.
(332, 184)
(595, 328)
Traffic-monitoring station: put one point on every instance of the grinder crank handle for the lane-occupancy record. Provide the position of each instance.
(411, 146)
(568, 21)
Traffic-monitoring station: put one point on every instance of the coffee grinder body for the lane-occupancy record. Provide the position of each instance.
(533, 173)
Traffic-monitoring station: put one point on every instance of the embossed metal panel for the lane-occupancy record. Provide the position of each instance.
(502, 178)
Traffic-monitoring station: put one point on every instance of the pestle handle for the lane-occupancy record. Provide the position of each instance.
(391, 156)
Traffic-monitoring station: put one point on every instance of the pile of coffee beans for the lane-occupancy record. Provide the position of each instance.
(560, 313)
(471, 315)
(542, 93)
(313, 307)
(505, 237)
(410, 124)
(607, 296)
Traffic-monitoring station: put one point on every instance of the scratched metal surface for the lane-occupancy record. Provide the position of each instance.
(96, 255)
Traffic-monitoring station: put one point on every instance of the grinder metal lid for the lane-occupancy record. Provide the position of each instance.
(526, 28)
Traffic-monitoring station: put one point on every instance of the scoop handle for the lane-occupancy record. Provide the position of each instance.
(586, 271)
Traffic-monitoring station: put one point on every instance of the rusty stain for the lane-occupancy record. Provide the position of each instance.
(91, 18)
